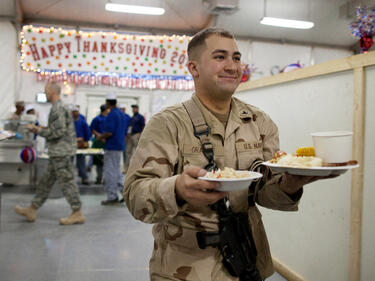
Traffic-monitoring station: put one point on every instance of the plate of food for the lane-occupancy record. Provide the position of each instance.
(305, 165)
(231, 179)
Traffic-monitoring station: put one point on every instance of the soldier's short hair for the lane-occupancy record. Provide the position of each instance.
(198, 40)
(54, 87)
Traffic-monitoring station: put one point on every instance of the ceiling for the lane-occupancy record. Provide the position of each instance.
(331, 17)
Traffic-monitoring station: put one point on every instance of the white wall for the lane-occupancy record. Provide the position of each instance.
(8, 67)
(314, 241)
(368, 229)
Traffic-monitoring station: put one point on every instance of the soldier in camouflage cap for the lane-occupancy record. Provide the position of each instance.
(162, 185)
(61, 140)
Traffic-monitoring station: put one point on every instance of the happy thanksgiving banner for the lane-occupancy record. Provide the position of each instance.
(96, 54)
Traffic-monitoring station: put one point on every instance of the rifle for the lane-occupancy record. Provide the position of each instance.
(235, 242)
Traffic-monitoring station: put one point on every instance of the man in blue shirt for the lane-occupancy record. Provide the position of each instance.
(115, 128)
(137, 123)
(83, 136)
(128, 118)
(97, 129)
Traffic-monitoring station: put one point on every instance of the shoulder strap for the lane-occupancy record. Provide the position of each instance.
(201, 131)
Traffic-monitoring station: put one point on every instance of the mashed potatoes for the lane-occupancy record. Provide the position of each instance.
(227, 173)
(290, 160)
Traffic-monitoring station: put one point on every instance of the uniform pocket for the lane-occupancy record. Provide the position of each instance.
(247, 153)
(193, 156)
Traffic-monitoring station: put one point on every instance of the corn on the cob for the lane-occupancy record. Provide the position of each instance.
(306, 151)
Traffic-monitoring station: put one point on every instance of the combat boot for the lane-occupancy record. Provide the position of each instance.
(29, 212)
(75, 217)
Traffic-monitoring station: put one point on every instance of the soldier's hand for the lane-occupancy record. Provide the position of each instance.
(197, 192)
(292, 183)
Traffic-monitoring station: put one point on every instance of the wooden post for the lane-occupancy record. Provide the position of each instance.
(285, 271)
(356, 197)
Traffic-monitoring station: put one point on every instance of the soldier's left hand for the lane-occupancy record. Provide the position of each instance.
(292, 183)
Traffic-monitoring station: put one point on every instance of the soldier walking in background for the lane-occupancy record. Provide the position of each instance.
(61, 140)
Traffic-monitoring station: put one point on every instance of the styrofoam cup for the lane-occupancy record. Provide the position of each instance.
(334, 146)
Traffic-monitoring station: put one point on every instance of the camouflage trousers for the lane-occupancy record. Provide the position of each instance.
(59, 169)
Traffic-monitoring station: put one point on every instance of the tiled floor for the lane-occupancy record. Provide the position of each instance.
(111, 245)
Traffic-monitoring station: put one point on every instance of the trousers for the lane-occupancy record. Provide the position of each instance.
(113, 178)
(59, 169)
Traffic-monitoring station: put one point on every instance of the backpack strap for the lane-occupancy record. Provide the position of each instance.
(202, 132)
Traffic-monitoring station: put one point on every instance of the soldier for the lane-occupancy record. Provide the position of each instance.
(61, 140)
(162, 188)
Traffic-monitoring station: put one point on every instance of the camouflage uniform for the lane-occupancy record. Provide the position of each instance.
(166, 147)
(61, 140)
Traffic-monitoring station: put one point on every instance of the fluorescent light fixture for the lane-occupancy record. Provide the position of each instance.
(287, 23)
(143, 10)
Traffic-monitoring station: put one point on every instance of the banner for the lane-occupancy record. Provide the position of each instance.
(110, 58)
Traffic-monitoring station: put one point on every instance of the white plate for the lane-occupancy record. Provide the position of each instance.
(313, 171)
(236, 183)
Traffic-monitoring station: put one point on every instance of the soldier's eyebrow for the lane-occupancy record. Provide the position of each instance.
(237, 53)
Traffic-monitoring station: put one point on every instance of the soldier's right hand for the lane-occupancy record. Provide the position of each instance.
(194, 191)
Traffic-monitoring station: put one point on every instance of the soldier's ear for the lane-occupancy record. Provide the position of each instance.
(192, 66)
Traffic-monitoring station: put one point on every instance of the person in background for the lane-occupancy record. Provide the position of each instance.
(83, 136)
(61, 140)
(30, 110)
(81, 116)
(115, 127)
(97, 129)
(213, 128)
(128, 118)
(20, 108)
(137, 124)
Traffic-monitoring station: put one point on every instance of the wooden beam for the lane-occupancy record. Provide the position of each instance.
(356, 197)
(333, 66)
(285, 271)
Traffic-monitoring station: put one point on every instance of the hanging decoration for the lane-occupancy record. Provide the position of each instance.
(28, 154)
(247, 70)
(106, 58)
(364, 27)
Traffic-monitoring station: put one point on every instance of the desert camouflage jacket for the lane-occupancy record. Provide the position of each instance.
(166, 147)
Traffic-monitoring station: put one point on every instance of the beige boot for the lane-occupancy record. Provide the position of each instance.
(29, 212)
(75, 217)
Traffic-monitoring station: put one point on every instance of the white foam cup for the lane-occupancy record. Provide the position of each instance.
(334, 146)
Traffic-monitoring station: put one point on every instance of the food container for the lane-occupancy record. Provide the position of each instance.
(334, 146)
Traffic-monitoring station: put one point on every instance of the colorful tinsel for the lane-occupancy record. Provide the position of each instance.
(364, 27)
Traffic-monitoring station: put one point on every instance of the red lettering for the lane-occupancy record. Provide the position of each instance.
(67, 45)
(59, 47)
(51, 49)
(113, 45)
(44, 53)
(78, 38)
(135, 49)
(148, 50)
(86, 46)
(128, 48)
(155, 52)
(174, 55)
(34, 52)
(95, 47)
(142, 49)
(163, 53)
(121, 48)
(103, 47)
(181, 59)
